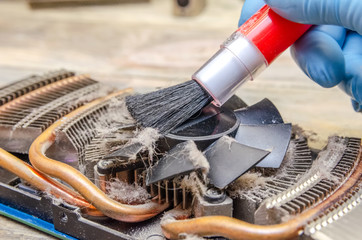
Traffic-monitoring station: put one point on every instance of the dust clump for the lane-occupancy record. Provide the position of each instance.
(191, 237)
(288, 160)
(116, 117)
(193, 183)
(55, 200)
(101, 91)
(126, 193)
(300, 132)
(329, 158)
(175, 214)
(148, 138)
(168, 218)
(252, 180)
(249, 185)
(227, 140)
(197, 157)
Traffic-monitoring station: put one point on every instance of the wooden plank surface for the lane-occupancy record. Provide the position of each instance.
(144, 46)
(10, 229)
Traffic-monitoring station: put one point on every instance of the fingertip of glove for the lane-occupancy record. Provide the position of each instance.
(320, 57)
(356, 106)
(279, 7)
(249, 8)
(326, 76)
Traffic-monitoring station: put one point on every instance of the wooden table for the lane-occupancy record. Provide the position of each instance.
(144, 46)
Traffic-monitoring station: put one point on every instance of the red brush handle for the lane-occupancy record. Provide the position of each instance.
(271, 33)
(246, 53)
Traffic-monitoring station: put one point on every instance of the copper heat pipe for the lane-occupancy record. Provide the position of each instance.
(235, 229)
(111, 208)
(44, 183)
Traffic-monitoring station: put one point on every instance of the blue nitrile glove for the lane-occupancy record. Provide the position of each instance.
(329, 54)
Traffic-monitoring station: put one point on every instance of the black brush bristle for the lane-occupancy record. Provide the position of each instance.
(167, 108)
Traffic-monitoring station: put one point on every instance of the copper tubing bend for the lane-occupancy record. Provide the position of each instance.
(235, 229)
(54, 168)
(44, 183)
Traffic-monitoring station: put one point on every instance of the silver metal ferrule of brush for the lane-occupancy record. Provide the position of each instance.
(237, 60)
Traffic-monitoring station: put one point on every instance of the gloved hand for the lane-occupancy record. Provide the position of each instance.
(329, 54)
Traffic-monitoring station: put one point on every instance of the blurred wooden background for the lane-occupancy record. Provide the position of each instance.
(145, 46)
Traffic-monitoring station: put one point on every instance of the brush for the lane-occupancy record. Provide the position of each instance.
(248, 51)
